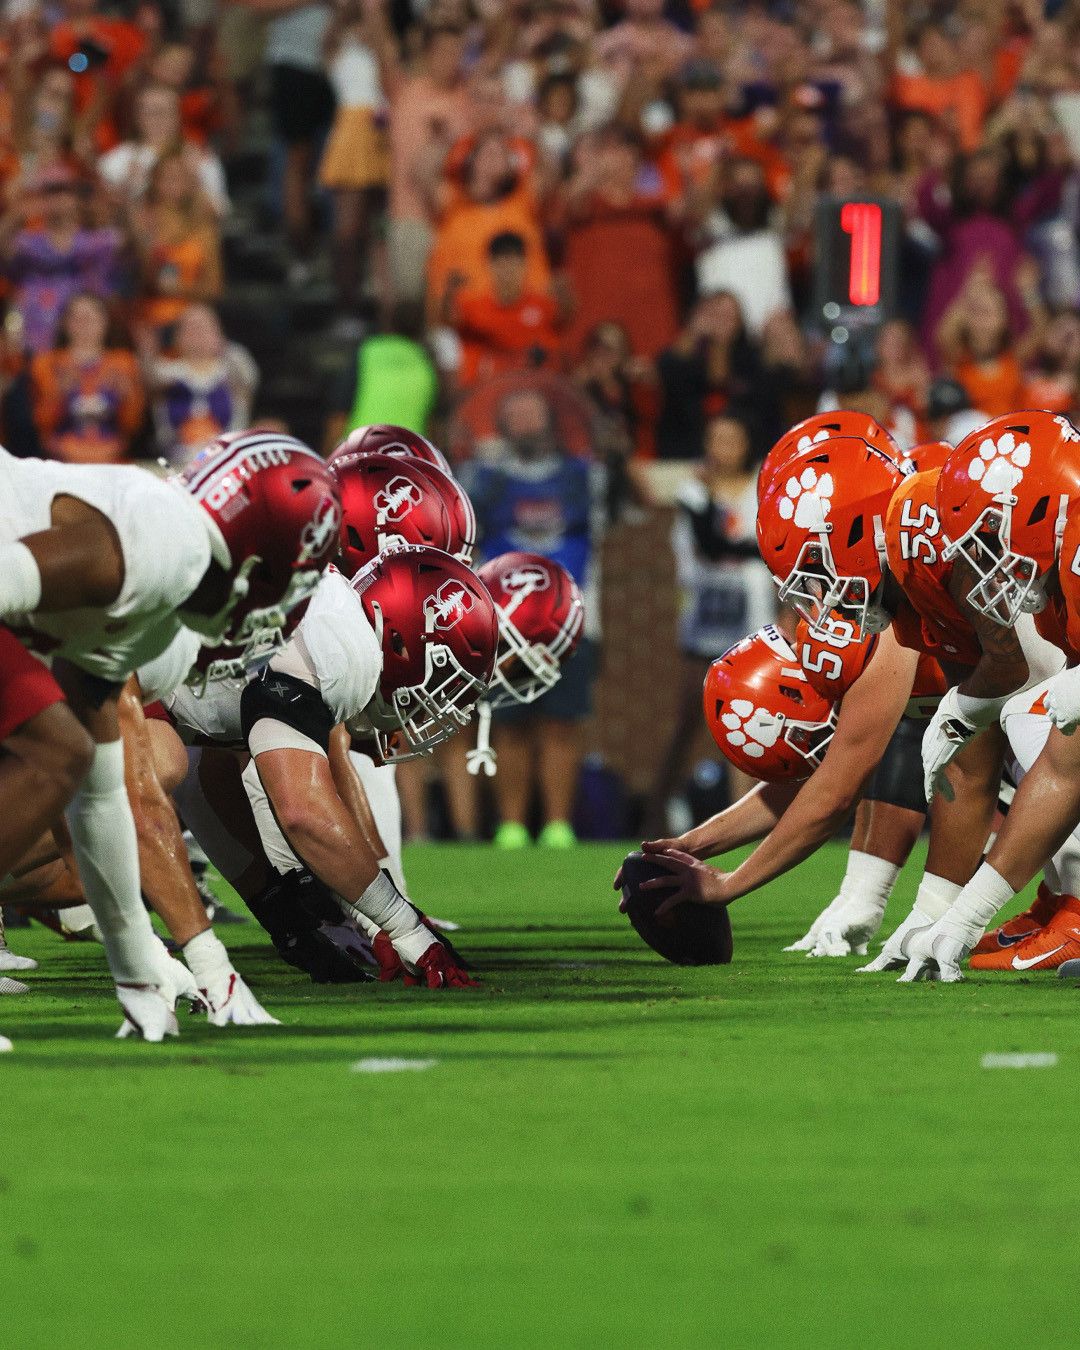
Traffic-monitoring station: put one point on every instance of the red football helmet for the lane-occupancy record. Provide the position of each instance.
(823, 427)
(1003, 497)
(761, 711)
(387, 501)
(821, 533)
(274, 511)
(439, 634)
(389, 440)
(541, 614)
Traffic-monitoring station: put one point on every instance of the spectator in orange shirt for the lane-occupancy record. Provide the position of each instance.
(495, 192)
(507, 325)
(942, 88)
(178, 242)
(974, 340)
(1051, 378)
(87, 394)
(103, 54)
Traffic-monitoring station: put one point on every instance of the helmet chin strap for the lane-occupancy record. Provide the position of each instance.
(482, 759)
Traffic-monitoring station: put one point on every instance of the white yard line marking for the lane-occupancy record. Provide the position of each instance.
(1040, 1061)
(392, 1065)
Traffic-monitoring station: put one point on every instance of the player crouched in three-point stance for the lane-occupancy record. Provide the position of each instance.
(1009, 499)
(102, 567)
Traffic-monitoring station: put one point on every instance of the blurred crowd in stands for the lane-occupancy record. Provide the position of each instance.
(621, 191)
(610, 202)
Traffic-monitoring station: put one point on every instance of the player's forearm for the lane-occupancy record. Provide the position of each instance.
(748, 819)
(812, 818)
(330, 843)
(351, 790)
(165, 872)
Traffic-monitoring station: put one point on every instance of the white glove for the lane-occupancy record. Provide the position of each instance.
(807, 943)
(894, 954)
(228, 999)
(150, 1009)
(936, 952)
(947, 732)
(851, 929)
(174, 979)
(1063, 702)
(147, 1013)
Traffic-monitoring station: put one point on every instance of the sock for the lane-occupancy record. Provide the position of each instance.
(383, 905)
(77, 918)
(982, 897)
(107, 852)
(869, 877)
(20, 589)
(935, 895)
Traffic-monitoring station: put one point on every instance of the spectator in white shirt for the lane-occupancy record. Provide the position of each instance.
(126, 169)
(746, 255)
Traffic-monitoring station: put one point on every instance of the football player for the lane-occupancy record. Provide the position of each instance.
(837, 520)
(102, 567)
(1008, 498)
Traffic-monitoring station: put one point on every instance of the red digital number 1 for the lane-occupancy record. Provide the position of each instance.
(862, 221)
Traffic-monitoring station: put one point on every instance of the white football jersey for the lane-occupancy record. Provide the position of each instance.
(159, 678)
(335, 648)
(165, 538)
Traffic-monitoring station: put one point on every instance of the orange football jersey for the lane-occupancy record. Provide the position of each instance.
(831, 669)
(913, 544)
(1059, 622)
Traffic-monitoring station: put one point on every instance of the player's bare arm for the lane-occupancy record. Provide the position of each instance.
(868, 716)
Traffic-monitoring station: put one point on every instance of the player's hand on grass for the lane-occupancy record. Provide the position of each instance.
(691, 880)
(895, 955)
(809, 940)
(437, 969)
(850, 928)
(148, 1013)
(947, 732)
(937, 951)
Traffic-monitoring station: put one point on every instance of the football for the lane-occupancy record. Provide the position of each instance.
(690, 935)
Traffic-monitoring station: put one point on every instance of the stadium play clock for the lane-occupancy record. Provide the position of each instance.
(856, 249)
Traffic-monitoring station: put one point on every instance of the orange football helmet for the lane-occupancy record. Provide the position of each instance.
(821, 533)
(929, 455)
(761, 711)
(1003, 497)
(823, 427)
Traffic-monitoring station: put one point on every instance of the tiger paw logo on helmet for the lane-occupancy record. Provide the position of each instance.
(808, 499)
(751, 729)
(1000, 464)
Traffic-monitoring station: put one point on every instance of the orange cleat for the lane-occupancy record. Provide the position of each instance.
(1050, 947)
(1011, 934)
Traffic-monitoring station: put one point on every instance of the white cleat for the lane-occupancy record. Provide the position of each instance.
(10, 960)
(232, 1003)
(5, 1044)
(851, 929)
(10, 986)
(148, 1013)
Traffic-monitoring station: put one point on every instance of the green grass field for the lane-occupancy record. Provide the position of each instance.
(609, 1151)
